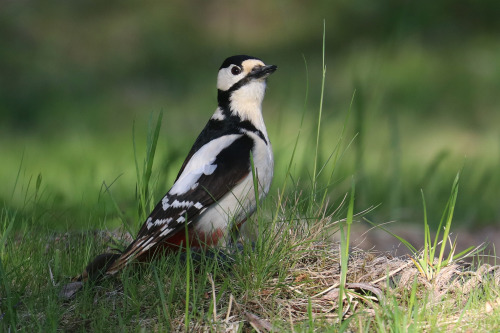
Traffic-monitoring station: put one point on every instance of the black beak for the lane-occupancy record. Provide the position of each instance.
(261, 72)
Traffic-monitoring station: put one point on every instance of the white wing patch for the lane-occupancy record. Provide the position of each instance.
(218, 115)
(201, 163)
(150, 223)
(179, 204)
(164, 203)
(189, 181)
(175, 204)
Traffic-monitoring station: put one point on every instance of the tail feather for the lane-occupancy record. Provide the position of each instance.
(94, 272)
(98, 267)
(145, 247)
(133, 251)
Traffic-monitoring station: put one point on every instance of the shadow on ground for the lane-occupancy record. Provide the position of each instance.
(366, 237)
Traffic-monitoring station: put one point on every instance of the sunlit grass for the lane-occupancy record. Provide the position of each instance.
(74, 170)
(275, 280)
(407, 88)
(286, 273)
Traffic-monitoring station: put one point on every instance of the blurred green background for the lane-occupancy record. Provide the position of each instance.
(77, 76)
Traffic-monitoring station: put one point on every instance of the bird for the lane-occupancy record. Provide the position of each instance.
(214, 193)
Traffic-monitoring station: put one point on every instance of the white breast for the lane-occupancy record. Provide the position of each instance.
(240, 203)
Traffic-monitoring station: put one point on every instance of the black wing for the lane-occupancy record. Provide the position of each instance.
(232, 165)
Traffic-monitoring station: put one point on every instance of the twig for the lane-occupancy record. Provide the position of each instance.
(290, 318)
(51, 276)
(229, 307)
(367, 286)
(391, 273)
(257, 323)
(213, 296)
(296, 290)
(326, 290)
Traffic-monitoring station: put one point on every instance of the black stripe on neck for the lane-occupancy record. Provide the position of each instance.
(224, 96)
(247, 125)
(234, 120)
(223, 99)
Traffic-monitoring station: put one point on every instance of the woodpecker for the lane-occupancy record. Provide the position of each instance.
(214, 192)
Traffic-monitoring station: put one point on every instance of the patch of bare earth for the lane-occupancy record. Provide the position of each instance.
(366, 237)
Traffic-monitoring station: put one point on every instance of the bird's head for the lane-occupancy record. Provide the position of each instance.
(241, 82)
(238, 71)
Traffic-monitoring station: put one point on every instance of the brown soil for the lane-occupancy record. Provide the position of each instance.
(366, 237)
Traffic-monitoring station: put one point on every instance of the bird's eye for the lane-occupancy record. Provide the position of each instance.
(235, 70)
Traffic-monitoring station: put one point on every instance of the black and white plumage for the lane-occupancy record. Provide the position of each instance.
(214, 190)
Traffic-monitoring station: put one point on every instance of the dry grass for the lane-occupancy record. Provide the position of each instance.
(313, 284)
(307, 292)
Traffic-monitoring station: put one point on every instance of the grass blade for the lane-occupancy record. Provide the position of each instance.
(318, 130)
(344, 249)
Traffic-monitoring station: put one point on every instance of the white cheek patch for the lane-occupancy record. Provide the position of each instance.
(201, 163)
(225, 79)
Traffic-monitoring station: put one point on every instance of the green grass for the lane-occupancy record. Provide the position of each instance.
(294, 278)
(274, 284)
(276, 281)
(447, 90)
